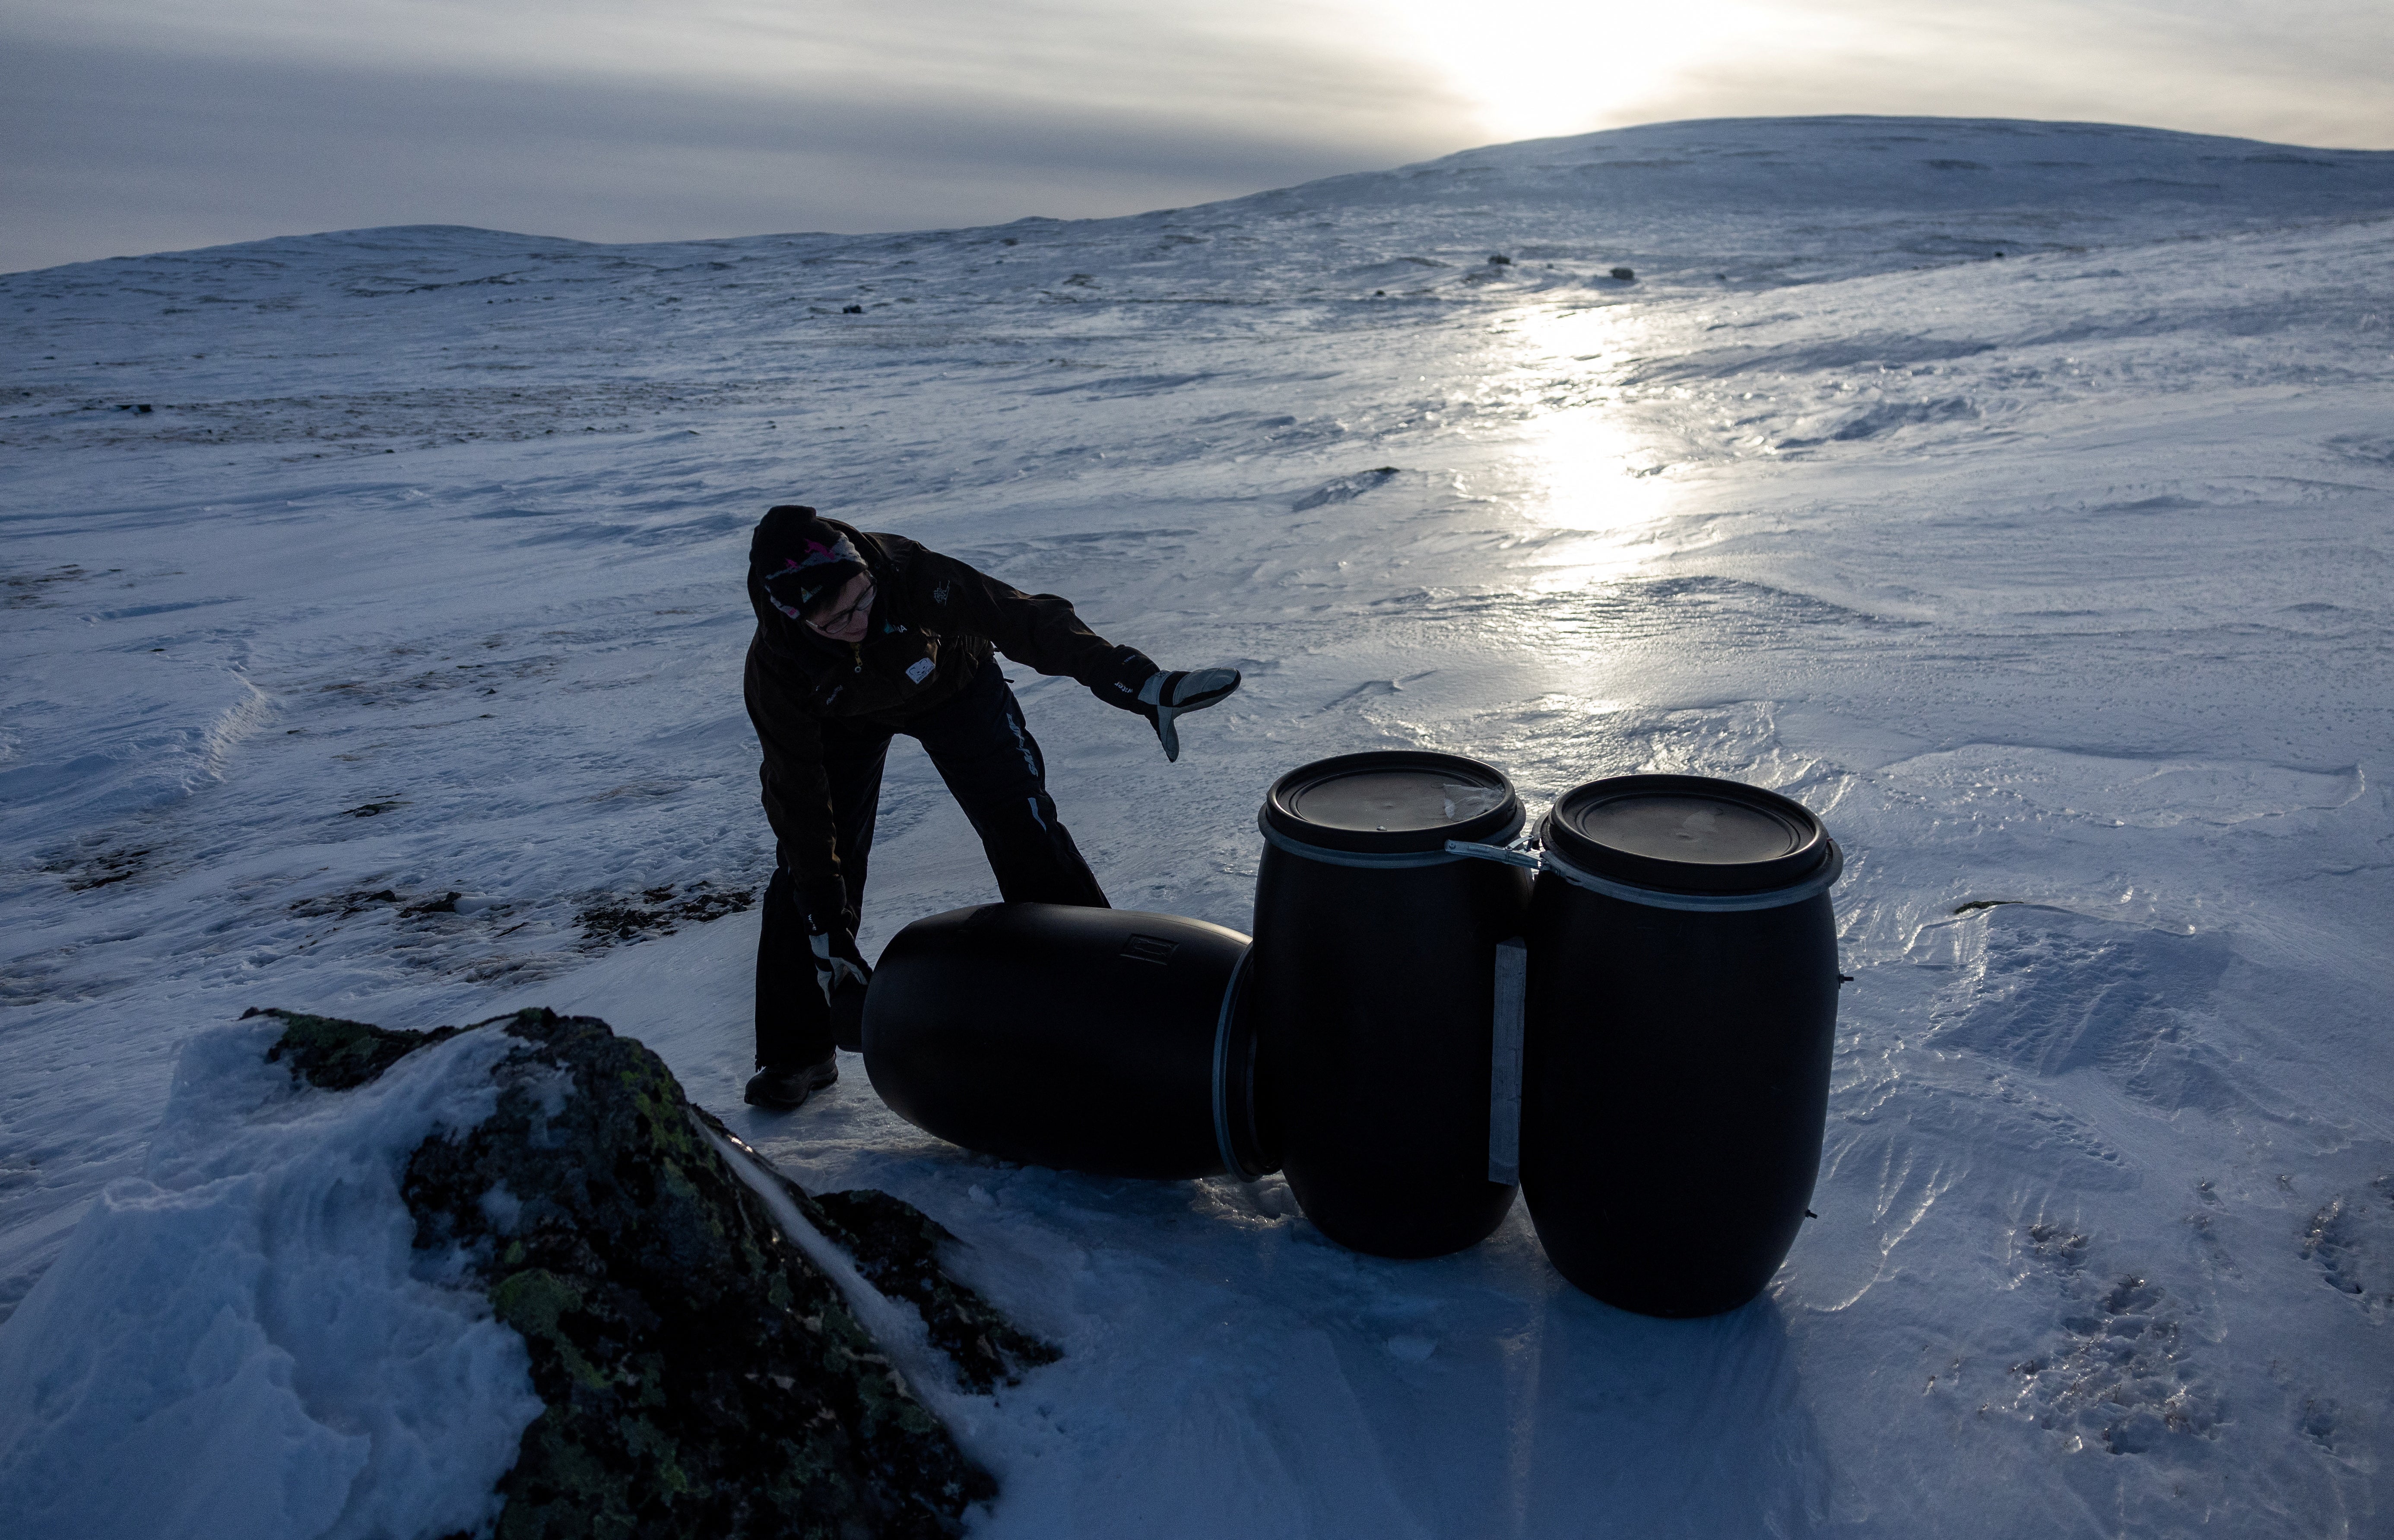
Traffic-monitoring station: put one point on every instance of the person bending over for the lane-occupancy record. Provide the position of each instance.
(861, 636)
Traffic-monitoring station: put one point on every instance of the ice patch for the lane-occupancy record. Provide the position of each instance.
(1879, 418)
(236, 722)
(1816, 356)
(2148, 793)
(1345, 488)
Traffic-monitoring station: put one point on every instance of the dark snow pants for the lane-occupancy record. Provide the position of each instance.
(982, 747)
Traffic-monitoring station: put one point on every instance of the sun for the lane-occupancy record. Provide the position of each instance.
(1535, 69)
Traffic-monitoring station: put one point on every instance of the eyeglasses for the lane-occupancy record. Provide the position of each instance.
(838, 620)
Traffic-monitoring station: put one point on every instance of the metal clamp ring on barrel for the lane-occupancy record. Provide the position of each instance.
(1228, 1147)
(1456, 850)
(1820, 881)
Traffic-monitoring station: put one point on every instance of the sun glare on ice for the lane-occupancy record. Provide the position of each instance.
(1589, 483)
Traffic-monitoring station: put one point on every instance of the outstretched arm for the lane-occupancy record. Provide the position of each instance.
(1041, 631)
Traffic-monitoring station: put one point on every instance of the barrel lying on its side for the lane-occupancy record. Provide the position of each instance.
(1374, 982)
(1682, 1005)
(1097, 1040)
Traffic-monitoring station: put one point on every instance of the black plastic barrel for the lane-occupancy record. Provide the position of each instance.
(1097, 1040)
(1371, 989)
(1682, 1003)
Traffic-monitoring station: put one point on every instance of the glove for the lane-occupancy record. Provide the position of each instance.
(838, 964)
(1170, 695)
(840, 969)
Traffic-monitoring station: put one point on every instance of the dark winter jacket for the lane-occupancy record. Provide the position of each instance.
(934, 622)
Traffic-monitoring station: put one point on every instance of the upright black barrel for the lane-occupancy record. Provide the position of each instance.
(1372, 986)
(1682, 1004)
(1097, 1040)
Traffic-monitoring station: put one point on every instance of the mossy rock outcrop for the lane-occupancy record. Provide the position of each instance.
(895, 1249)
(700, 1376)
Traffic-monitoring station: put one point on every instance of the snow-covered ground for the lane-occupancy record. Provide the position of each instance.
(2016, 496)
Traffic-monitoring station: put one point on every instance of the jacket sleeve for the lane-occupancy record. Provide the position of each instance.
(796, 790)
(1039, 631)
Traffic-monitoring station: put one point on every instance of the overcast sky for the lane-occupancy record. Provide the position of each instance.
(138, 125)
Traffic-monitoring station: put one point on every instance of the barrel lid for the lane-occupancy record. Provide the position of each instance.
(1688, 833)
(1395, 801)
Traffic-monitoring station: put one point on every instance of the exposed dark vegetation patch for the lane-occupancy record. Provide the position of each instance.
(2057, 1246)
(30, 590)
(83, 873)
(2344, 1238)
(2123, 1372)
(660, 912)
(342, 906)
(367, 422)
(483, 678)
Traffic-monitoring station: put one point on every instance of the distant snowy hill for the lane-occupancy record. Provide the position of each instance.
(2016, 496)
(1705, 176)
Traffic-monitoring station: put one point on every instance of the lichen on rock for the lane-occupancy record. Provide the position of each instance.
(896, 1248)
(342, 1056)
(700, 1377)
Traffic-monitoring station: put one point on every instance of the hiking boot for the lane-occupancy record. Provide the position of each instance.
(784, 1088)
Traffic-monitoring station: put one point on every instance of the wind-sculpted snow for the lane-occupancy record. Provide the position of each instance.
(511, 1287)
(388, 666)
(239, 1340)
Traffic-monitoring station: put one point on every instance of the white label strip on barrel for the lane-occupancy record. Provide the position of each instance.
(1505, 1062)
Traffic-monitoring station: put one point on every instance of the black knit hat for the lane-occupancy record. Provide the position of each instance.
(802, 569)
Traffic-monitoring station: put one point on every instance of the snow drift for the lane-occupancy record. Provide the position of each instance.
(501, 1280)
